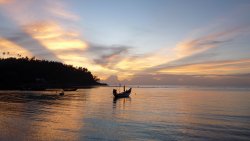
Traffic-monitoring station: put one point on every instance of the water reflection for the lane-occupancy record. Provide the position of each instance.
(121, 101)
(40, 115)
(153, 114)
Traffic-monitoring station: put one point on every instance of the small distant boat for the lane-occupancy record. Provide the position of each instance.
(122, 94)
(69, 89)
(61, 93)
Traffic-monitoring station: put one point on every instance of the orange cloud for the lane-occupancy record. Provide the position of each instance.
(52, 36)
(5, 1)
(66, 45)
(59, 9)
(24, 12)
(61, 41)
(13, 49)
(217, 67)
(185, 48)
(43, 26)
(203, 43)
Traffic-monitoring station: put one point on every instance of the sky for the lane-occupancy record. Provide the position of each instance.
(134, 41)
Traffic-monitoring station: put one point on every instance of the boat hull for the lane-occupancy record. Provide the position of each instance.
(122, 94)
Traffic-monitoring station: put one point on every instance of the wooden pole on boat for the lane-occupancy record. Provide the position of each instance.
(119, 87)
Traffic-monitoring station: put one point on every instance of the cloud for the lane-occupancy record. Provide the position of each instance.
(198, 47)
(195, 55)
(108, 56)
(212, 67)
(54, 37)
(12, 49)
(18, 39)
(183, 49)
(37, 27)
(5, 1)
(238, 80)
(193, 50)
(203, 43)
(31, 10)
(49, 29)
(60, 10)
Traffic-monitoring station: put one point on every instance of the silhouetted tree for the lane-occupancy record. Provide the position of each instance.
(18, 73)
(96, 78)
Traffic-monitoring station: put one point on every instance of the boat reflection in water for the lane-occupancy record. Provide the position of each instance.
(121, 102)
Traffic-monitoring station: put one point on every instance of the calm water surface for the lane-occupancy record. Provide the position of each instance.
(149, 114)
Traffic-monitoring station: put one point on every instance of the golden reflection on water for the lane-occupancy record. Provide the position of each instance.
(59, 119)
(154, 113)
(63, 124)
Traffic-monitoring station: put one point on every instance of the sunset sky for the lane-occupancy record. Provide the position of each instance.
(132, 39)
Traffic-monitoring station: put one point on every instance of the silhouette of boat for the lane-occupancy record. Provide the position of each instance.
(61, 93)
(122, 94)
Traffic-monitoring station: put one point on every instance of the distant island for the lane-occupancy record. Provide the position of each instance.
(34, 74)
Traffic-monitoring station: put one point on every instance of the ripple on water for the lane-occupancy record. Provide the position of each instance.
(151, 114)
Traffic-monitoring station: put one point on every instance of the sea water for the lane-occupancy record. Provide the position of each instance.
(150, 113)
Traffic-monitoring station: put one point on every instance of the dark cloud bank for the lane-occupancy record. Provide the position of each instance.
(106, 55)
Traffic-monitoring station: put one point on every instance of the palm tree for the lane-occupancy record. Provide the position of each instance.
(3, 54)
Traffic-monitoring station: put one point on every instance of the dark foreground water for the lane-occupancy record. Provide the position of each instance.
(150, 114)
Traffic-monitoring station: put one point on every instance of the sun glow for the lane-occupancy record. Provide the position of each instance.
(54, 37)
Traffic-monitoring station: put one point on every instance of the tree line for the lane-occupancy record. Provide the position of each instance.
(31, 73)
